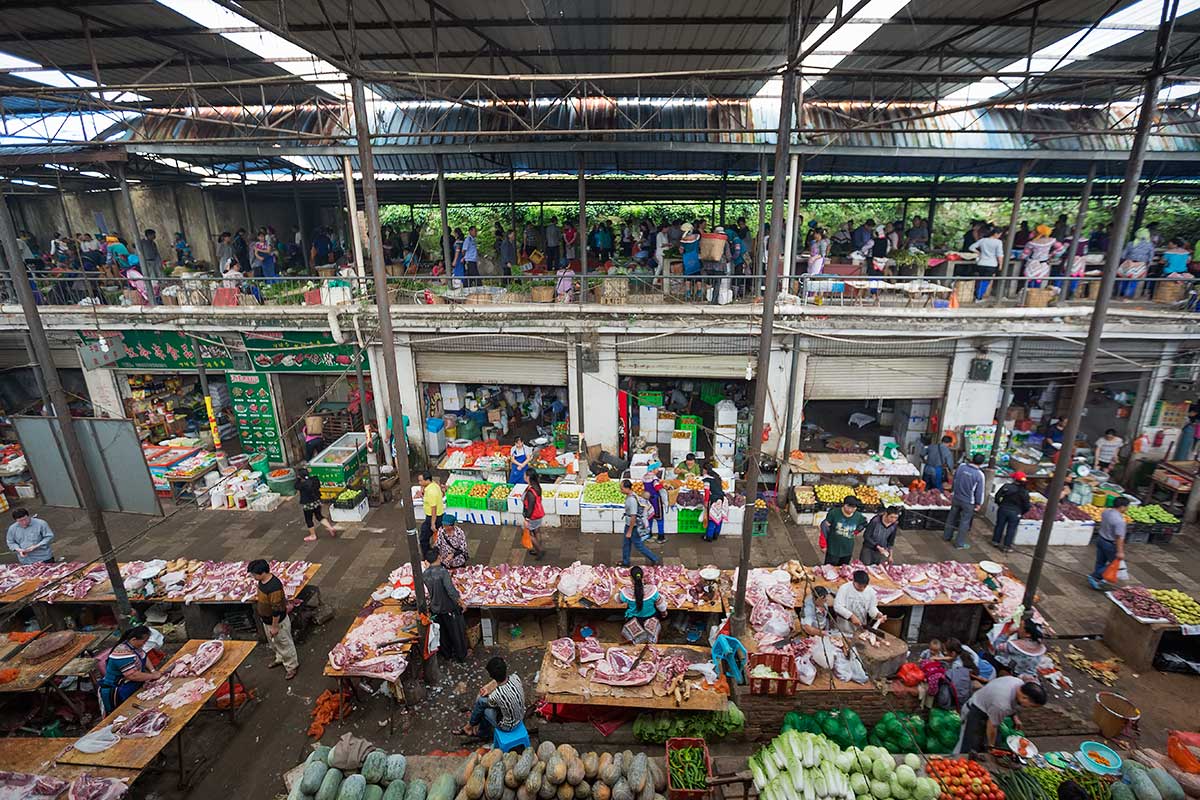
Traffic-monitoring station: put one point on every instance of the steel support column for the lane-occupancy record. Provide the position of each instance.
(1121, 219)
(1080, 219)
(766, 331)
(356, 238)
(246, 208)
(304, 254)
(789, 241)
(444, 213)
(760, 235)
(60, 409)
(1008, 288)
(388, 339)
(582, 237)
(1006, 395)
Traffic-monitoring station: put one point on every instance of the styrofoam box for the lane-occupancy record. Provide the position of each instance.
(612, 514)
(670, 523)
(594, 526)
(567, 506)
(666, 425)
(489, 517)
(511, 518)
(516, 498)
(417, 504)
(549, 505)
(551, 521)
(590, 514)
(737, 515)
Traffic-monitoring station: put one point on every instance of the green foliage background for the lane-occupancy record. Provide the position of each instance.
(1176, 216)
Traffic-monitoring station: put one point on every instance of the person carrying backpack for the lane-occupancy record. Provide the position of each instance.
(637, 526)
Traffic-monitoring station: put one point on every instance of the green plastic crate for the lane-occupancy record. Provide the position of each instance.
(689, 520)
(683, 420)
(711, 392)
(477, 503)
(650, 399)
(758, 528)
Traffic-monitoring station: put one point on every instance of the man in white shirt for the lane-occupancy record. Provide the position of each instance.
(991, 256)
(1107, 448)
(855, 605)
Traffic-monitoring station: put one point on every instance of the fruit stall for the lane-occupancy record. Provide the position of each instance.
(1153, 628)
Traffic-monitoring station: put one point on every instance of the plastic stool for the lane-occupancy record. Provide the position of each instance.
(508, 740)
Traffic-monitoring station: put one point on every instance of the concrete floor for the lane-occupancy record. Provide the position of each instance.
(249, 760)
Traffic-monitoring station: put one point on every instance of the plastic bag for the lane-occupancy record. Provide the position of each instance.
(1112, 571)
(805, 671)
(825, 652)
(910, 674)
(1177, 748)
(526, 540)
(97, 741)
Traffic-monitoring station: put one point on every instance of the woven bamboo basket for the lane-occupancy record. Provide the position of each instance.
(1039, 298)
(542, 294)
(1170, 291)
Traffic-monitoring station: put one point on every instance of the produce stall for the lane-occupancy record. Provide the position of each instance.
(159, 712)
(805, 466)
(613, 676)
(1140, 620)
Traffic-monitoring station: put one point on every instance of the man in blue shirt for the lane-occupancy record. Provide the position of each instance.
(862, 235)
(968, 498)
(470, 255)
(29, 538)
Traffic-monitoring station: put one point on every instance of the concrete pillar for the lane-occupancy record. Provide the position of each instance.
(379, 390)
(352, 211)
(410, 391)
(1158, 377)
(598, 412)
(775, 413)
(971, 402)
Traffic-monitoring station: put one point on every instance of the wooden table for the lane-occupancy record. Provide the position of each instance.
(138, 753)
(703, 698)
(196, 614)
(36, 756)
(34, 677)
(717, 605)
(406, 630)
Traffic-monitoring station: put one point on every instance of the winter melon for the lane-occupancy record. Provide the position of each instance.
(354, 787)
(1167, 786)
(319, 753)
(417, 790)
(330, 785)
(373, 793)
(442, 788)
(395, 790)
(374, 766)
(1121, 791)
(394, 768)
(314, 773)
(1143, 787)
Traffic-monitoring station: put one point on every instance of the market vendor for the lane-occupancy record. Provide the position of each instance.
(689, 247)
(1107, 448)
(838, 530)
(644, 607)
(689, 466)
(519, 459)
(29, 537)
(855, 606)
(815, 616)
(879, 537)
(988, 707)
(939, 463)
(126, 668)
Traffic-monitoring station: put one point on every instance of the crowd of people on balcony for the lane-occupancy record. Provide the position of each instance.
(84, 263)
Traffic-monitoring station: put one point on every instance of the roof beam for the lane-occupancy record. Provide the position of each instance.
(558, 22)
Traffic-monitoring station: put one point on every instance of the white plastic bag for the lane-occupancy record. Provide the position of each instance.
(825, 652)
(435, 639)
(97, 741)
(805, 672)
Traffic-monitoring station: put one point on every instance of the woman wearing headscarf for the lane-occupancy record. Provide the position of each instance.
(126, 669)
(643, 606)
(716, 507)
(1037, 253)
(1135, 263)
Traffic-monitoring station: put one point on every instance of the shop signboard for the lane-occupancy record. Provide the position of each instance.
(163, 351)
(254, 410)
(277, 351)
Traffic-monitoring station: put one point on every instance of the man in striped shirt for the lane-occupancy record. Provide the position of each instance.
(501, 703)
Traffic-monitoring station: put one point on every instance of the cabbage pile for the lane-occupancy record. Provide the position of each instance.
(808, 766)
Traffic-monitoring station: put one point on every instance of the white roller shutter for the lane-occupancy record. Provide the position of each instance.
(861, 378)
(514, 369)
(680, 365)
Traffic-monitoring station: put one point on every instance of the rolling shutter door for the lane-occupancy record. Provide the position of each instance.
(514, 369)
(858, 378)
(681, 365)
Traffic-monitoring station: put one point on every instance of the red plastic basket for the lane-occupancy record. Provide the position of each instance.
(779, 662)
(686, 794)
